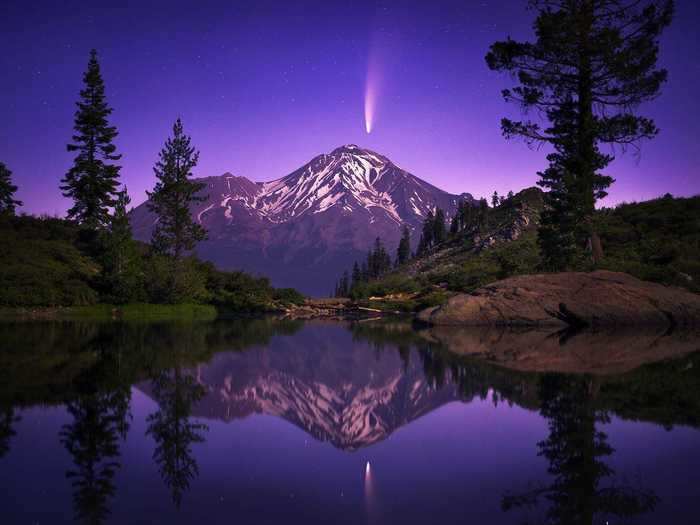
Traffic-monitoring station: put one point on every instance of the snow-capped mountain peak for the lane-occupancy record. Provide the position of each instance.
(330, 209)
(348, 178)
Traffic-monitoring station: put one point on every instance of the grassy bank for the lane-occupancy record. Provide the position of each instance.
(51, 268)
(107, 312)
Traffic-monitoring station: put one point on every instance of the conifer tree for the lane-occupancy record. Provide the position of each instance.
(7, 192)
(439, 232)
(120, 256)
(455, 224)
(495, 201)
(176, 233)
(403, 252)
(344, 285)
(426, 238)
(592, 65)
(93, 179)
(356, 275)
(482, 213)
(378, 260)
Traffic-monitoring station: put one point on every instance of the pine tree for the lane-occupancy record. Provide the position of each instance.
(356, 275)
(364, 270)
(378, 260)
(7, 192)
(482, 213)
(495, 201)
(176, 233)
(426, 238)
(439, 232)
(120, 257)
(344, 290)
(93, 179)
(592, 65)
(403, 252)
(455, 224)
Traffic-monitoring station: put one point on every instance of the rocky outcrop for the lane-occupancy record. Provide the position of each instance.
(572, 299)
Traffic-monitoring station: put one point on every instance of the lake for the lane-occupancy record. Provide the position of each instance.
(267, 421)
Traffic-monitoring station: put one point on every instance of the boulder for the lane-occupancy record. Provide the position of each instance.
(572, 299)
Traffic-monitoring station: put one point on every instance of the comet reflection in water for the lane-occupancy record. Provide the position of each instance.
(370, 503)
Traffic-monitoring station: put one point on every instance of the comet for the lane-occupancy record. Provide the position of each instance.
(370, 101)
(372, 89)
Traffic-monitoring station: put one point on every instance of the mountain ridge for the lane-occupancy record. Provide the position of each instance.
(302, 229)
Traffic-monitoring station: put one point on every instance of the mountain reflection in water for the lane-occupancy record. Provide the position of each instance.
(138, 408)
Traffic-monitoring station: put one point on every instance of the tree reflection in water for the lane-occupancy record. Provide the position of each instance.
(576, 452)
(7, 421)
(172, 430)
(100, 419)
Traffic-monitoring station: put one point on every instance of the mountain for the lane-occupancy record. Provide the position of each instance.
(302, 230)
(348, 393)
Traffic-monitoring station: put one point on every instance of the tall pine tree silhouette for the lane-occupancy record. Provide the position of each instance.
(176, 233)
(93, 179)
(8, 203)
(592, 64)
(403, 252)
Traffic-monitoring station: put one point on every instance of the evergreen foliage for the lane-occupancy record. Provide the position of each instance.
(357, 276)
(482, 213)
(378, 260)
(434, 231)
(93, 179)
(593, 63)
(426, 237)
(439, 231)
(120, 262)
(176, 233)
(403, 252)
(377, 263)
(7, 191)
(463, 219)
(46, 264)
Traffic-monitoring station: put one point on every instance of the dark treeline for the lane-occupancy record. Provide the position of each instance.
(590, 68)
(469, 219)
(377, 263)
(92, 256)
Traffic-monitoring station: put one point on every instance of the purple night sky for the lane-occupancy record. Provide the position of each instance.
(263, 86)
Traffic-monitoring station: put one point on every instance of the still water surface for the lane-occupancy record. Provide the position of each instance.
(288, 422)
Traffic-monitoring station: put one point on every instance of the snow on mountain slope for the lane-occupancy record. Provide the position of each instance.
(318, 218)
(330, 391)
